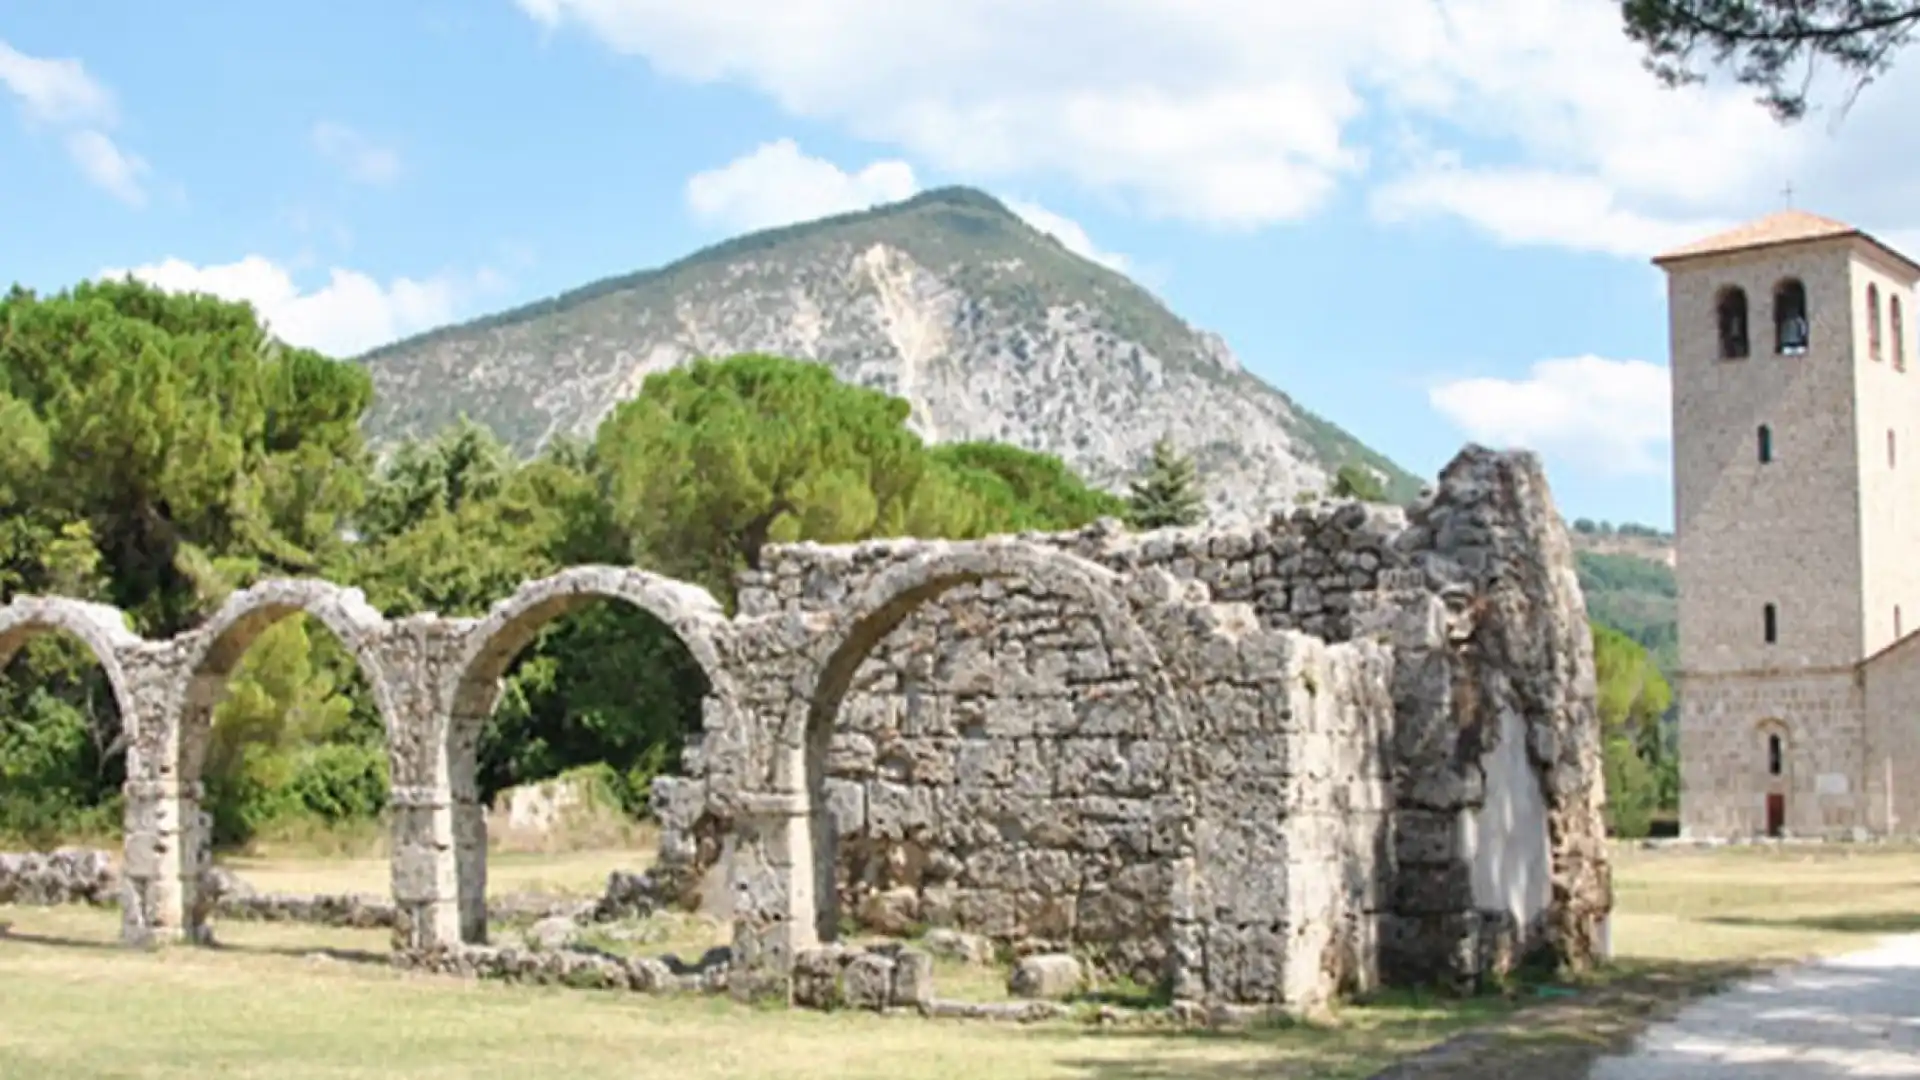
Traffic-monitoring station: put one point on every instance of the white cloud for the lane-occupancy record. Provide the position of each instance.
(1524, 207)
(55, 91)
(1609, 416)
(1242, 113)
(361, 158)
(107, 166)
(779, 184)
(346, 316)
(776, 184)
(59, 93)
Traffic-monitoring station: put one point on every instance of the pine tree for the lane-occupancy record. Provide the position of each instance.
(1168, 493)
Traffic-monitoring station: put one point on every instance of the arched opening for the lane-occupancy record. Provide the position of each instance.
(283, 738)
(1776, 780)
(1791, 330)
(1770, 623)
(1764, 437)
(63, 728)
(574, 695)
(1730, 311)
(1896, 327)
(961, 727)
(1873, 321)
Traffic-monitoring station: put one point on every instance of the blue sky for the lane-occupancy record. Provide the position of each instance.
(1428, 222)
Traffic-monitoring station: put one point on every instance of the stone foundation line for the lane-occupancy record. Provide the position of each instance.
(1257, 765)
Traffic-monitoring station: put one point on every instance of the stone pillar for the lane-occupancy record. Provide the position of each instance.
(165, 852)
(469, 827)
(415, 656)
(773, 902)
(426, 880)
(168, 842)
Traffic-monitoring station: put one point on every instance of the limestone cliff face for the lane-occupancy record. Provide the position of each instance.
(990, 329)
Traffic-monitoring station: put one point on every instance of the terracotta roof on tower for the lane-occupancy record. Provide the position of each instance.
(1783, 227)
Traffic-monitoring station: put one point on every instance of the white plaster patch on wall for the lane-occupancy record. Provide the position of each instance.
(1506, 841)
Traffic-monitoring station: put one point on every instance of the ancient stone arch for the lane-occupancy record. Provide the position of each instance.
(688, 610)
(898, 591)
(101, 627)
(168, 835)
(215, 648)
(473, 682)
(889, 599)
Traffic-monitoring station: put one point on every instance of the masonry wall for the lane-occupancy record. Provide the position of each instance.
(991, 770)
(1724, 780)
(1887, 403)
(986, 768)
(1784, 532)
(1892, 753)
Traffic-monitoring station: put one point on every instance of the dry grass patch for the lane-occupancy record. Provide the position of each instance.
(293, 1002)
(271, 1006)
(572, 873)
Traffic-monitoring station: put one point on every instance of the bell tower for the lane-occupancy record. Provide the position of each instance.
(1797, 533)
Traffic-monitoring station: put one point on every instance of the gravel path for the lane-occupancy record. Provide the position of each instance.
(1851, 1016)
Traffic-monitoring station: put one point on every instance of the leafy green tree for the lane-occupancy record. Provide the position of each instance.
(199, 452)
(1356, 481)
(713, 461)
(280, 717)
(1632, 698)
(462, 464)
(1168, 492)
(1763, 42)
(157, 451)
(1023, 490)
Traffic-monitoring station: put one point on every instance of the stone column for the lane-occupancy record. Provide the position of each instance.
(469, 827)
(773, 903)
(415, 655)
(168, 842)
(165, 852)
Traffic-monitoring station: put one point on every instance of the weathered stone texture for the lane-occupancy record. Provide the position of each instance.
(1257, 764)
(66, 876)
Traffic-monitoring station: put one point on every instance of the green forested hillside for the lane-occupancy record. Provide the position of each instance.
(1627, 576)
(1636, 596)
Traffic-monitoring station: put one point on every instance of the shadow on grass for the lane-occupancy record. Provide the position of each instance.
(1524, 1031)
(55, 941)
(1880, 923)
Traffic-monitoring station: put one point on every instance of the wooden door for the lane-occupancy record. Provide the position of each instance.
(1776, 813)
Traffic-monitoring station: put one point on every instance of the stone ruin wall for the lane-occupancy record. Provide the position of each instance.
(1343, 747)
(1366, 748)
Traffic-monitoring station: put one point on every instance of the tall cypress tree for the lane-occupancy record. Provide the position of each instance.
(1168, 493)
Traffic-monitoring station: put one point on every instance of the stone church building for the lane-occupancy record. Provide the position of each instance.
(1796, 465)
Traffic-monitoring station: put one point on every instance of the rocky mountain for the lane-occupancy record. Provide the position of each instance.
(991, 329)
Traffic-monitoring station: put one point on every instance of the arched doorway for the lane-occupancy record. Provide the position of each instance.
(1776, 776)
